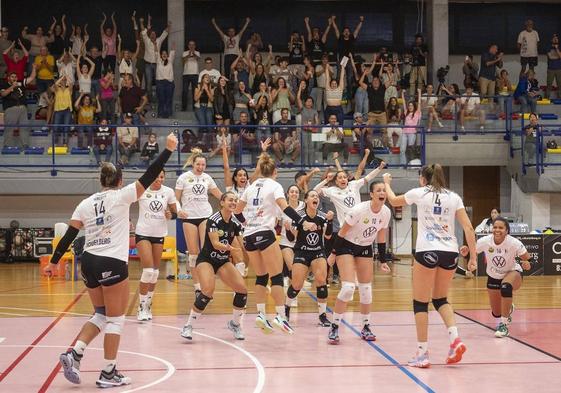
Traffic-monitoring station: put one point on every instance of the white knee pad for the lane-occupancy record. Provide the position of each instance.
(155, 276)
(192, 260)
(147, 274)
(99, 320)
(347, 291)
(115, 325)
(365, 293)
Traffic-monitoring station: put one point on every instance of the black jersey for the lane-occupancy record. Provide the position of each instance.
(310, 240)
(226, 233)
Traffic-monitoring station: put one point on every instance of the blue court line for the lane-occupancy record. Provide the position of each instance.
(380, 350)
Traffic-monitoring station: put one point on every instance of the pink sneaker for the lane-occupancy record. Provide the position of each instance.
(457, 349)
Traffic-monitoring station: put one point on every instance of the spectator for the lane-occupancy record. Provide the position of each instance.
(103, 142)
(282, 71)
(165, 84)
(127, 134)
(296, 51)
(45, 107)
(66, 66)
(127, 61)
(107, 98)
(527, 92)
(242, 100)
(78, 39)
(470, 105)
(262, 114)
(361, 95)
(376, 108)
(109, 40)
(318, 93)
(45, 69)
(223, 100)
(361, 136)
(204, 96)
(316, 41)
(419, 55)
(190, 58)
(140, 64)
(86, 111)
(530, 133)
(97, 59)
(17, 64)
(223, 138)
(285, 139)
(393, 109)
(15, 109)
(254, 44)
(411, 118)
(450, 100)
(5, 43)
(504, 88)
(528, 44)
(308, 117)
(334, 97)
(554, 67)
(231, 42)
(395, 132)
(63, 109)
(239, 72)
(490, 60)
(58, 35)
(258, 72)
(85, 74)
(389, 75)
(281, 98)
(244, 138)
(150, 149)
(37, 41)
(471, 71)
(346, 46)
(429, 101)
(132, 99)
(259, 77)
(152, 45)
(334, 140)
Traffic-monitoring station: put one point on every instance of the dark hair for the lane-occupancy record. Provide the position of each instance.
(298, 175)
(308, 193)
(490, 220)
(208, 58)
(110, 176)
(374, 184)
(434, 175)
(289, 187)
(503, 220)
(235, 174)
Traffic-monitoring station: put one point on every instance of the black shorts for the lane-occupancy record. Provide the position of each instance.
(446, 260)
(215, 263)
(259, 241)
(106, 271)
(282, 247)
(531, 61)
(495, 283)
(151, 239)
(348, 248)
(193, 221)
(306, 257)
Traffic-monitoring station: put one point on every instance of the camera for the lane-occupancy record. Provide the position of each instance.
(441, 73)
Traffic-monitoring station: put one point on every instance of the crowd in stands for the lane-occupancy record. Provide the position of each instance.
(93, 84)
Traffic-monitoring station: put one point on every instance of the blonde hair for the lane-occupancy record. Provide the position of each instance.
(266, 165)
(195, 153)
(110, 176)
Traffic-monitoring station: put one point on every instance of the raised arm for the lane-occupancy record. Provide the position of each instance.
(228, 182)
(114, 24)
(31, 77)
(326, 32)
(375, 172)
(335, 28)
(362, 164)
(217, 28)
(244, 28)
(308, 29)
(394, 200)
(403, 101)
(78, 101)
(63, 24)
(342, 78)
(8, 49)
(52, 30)
(355, 71)
(92, 66)
(102, 25)
(419, 93)
(119, 53)
(358, 26)
(336, 161)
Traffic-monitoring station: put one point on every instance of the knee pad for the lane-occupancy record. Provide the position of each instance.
(420, 307)
(155, 276)
(147, 274)
(321, 292)
(114, 325)
(240, 300)
(192, 260)
(262, 280)
(347, 291)
(365, 293)
(202, 301)
(506, 289)
(292, 293)
(437, 303)
(277, 280)
(99, 320)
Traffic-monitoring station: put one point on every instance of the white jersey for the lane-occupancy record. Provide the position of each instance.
(365, 224)
(285, 219)
(344, 198)
(436, 216)
(194, 196)
(237, 190)
(152, 207)
(105, 216)
(261, 210)
(501, 258)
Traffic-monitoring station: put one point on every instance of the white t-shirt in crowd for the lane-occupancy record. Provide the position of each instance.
(191, 65)
(344, 198)
(194, 196)
(105, 216)
(365, 224)
(261, 210)
(427, 101)
(528, 41)
(152, 207)
(285, 219)
(152, 53)
(214, 75)
(436, 217)
(470, 101)
(331, 137)
(165, 71)
(231, 45)
(500, 258)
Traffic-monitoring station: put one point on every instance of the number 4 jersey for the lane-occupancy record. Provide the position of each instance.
(152, 207)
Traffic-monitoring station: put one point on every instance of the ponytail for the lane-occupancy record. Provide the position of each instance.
(434, 175)
(195, 153)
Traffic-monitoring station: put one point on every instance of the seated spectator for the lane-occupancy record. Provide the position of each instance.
(128, 139)
(17, 63)
(242, 100)
(262, 115)
(244, 138)
(63, 109)
(45, 106)
(393, 108)
(411, 118)
(150, 149)
(103, 141)
(530, 132)
(132, 99)
(282, 71)
(285, 139)
(107, 99)
(223, 138)
(223, 102)
(395, 132)
(527, 92)
(334, 140)
(211, 71)
(428, 102)
(165, 84)
(504, 88)
(471, 71)
(204, 96)
(451, 98)
(86, 110)
(361, 136)
(282, 98)
(470, 105)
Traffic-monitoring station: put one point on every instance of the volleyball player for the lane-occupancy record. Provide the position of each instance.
(192, 189)
(260, 203)
(221, 230)
(309, 253)
(504, 272)
(105, 219)
(365, 223)
(287, 235)
(436, 255)
(151, 229)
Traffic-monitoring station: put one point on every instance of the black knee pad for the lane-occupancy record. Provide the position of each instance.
(262, 280)
(277, 280)
(202, 301)
(506, 289)
(292, 293)
(437, 303)
(240, 300)
(420, 307)
(496, 316)
(321, 292)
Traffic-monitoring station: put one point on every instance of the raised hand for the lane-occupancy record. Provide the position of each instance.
(361, 18)
(306, 20)
(171, 142)
(387, 178)
(330, 215)
(382, 164)
(265, 144)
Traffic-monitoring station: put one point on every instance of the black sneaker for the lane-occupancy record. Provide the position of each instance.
(333, 335)
(323, 321)
(366, 334)
(287, 312)
(112, 379)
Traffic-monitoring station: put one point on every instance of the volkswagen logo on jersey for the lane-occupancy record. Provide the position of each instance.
(312, 238)
(369, 232)
(499, 261)
(430, 258)
(156, 206)
(349, 201)
(198, 189)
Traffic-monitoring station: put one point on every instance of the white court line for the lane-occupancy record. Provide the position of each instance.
(170, 368)
(12, 314)
(260, 369)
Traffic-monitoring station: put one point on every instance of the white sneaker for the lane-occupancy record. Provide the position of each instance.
(187, 332)
(236, 329)
(149, 312)
(420, 360)
(112, 379)
(142, 314)
(462, 128)
(262, 323)
(440, 124)
(70, 366)
(283, 324)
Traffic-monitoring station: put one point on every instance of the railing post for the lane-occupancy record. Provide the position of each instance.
(423, 146)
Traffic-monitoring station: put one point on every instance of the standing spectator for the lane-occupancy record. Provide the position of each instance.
(528, 44)
(78, 39)
(346, 44)
(470, 105)
(239, 72)
(38, 41)
(376, 108)
(419, 56)
(126, 61)
(223, 100)
(66, 66)
(45, 70)
(471, 71)
(296, 51)
(165, 84)
(103, 142)
(554, 67)
(127, 134)
(63, 109)
(316, 41)
(504, 88)
(15, 109)
(244, 138)
(389, 75)
(334, 97)
(190, 58)
(204, 96)
(285, 139)
(318, 93)
(132, 99)
(334, 140)
(97, 59)
(490, 60)
(150, 149)
(527, 92)
(5, 43)
(57, 34)
(254, 44)
(85, 74)
(412, 116)
(17, 64)
(531, 133)
(281, 98)
(86, 111)
(231, 42)
(361, 96)
(109, 40)
(140, 64)
(212, 72)
(308, 118)
(107, 98)
(152, 45)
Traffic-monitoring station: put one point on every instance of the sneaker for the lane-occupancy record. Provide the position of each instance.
(283, 324)
(293, 302)
(287, 311)
(335, 280)
(149, 312)
(420, 360)
(141, 314)
(236, 329)
(366, 334)
(512, 308)
(71, 366)
(333, 336)
(262, 323)
(457, 349)
(469, 275)
(112, 379)
(440, 124)
(187, 332)
(482, 128)
(323, 321)
(502, 331)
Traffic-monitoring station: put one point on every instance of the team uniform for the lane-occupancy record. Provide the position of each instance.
(500, 258)
(309, 245)
(344, 199)
(194, 196)
(227, 231)
(152, 222)
(284, 241)
(238, 191)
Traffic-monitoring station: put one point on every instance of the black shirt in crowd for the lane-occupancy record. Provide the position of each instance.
(316, 49)
(16, 97)
(346, 46)
(150, 150)
(376, 99)
(296, 55)
(103, 136)
(418, 59)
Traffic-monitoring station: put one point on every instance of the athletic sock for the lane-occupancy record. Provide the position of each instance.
(79, 349)
(110, 366)
(197, 286)
(143, 298)
(261, 308)
(280, 311)
(365, 319)
(452, 333)
(422, 347)
(337, 318)
(322, 308)
(504, 320)
(497, 321)
(193, 315)
(237, 316)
